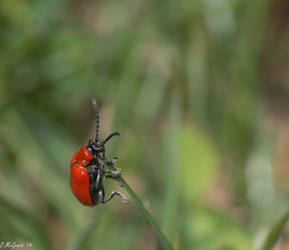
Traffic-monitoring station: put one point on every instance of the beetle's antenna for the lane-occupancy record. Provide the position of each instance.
(111, 135)
(94, 104)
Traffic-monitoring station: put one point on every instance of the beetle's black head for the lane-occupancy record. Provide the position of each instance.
(95, 147)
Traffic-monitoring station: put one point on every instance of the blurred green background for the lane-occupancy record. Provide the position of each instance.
(199, 92)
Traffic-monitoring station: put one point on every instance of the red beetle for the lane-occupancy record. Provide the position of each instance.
(87, 170)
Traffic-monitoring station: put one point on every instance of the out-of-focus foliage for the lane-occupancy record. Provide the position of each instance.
(197, 89)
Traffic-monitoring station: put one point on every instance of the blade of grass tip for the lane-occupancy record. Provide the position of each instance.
(84, 234)
(275, 232)
(146, 214)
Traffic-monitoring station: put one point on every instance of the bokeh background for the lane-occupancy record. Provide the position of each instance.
(199, 91)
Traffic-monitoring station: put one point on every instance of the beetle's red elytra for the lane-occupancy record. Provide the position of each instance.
(79, 178)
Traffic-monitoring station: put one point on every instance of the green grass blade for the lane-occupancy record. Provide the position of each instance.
(146, 214)
(275, 232)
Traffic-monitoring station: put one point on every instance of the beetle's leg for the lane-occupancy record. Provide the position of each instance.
(98, 179)
(115, 179)
(116, 169)
(123, 198)
(109, 164)
(112, 173)
(101, 195)
(103, 155)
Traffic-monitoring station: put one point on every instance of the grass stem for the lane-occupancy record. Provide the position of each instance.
(146, 214)
(275, 233)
